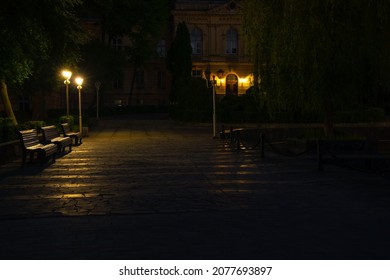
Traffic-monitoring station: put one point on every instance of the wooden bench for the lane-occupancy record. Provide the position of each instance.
(31, 146)
(51, 135)
(77, 136)
(247, 138)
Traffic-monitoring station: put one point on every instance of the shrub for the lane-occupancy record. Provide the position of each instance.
(365, 114)
(67, 119)
(7, 130)
(194, 103)
(243, 108)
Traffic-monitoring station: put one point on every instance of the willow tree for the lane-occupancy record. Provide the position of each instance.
(258, 17)
(319, 55)
(35, 38)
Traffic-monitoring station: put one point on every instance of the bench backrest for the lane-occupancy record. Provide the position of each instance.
(49, 132)
(65, 128)
(29, 138)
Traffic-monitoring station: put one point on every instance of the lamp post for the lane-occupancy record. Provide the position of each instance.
(67, 74)
(214, 111)
(79, 82)
(207, 74)
(97, 85)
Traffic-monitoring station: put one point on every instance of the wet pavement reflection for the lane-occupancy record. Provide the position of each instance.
(156, 189)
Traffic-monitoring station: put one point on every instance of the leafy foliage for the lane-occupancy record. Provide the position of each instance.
(141, 22)
(36, 35)
(324, 55)
(102, 62)
(194, 102)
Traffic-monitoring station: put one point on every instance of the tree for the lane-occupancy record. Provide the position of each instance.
(179, 62)
(36, 36)
(258, 18)
(319, 55)
(142, 22)
(102, 63)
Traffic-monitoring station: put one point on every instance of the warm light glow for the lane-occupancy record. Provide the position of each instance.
(67, 74)
(79, 81)
(242, 80)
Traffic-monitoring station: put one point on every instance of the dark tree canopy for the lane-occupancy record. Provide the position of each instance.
(322, 55)
(36, 37)
(36, 32)
(141, 22)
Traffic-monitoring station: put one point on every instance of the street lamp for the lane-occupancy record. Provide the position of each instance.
(79, 82)
(207, 74)
(67, 74)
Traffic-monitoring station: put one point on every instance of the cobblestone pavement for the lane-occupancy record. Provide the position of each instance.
(154, 189)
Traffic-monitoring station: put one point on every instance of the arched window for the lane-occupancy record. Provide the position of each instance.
(196, 41)
(231, 41)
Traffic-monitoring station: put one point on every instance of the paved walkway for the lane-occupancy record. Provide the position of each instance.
(154, 189)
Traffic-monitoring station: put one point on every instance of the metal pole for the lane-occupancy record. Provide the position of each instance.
(214, 114)
(67, 74)
(67, 97)
(80, 115)
(213, 82)
(214, 110)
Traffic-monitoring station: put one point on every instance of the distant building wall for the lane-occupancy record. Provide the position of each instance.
(218, 43)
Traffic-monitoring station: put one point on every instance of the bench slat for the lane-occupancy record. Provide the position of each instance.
(30, 146)
(51, 135)
(77, 136)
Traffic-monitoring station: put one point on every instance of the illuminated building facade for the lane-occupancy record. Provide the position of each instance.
(218, 46)
(218, 43)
